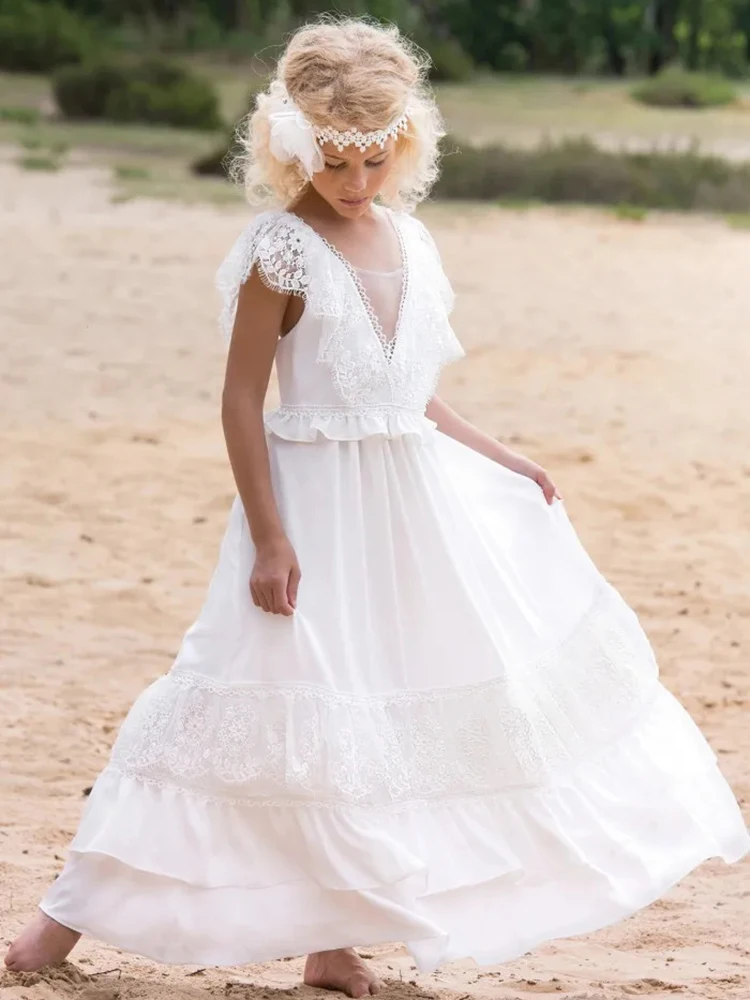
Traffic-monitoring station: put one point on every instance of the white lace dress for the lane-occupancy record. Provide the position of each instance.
(459, 740)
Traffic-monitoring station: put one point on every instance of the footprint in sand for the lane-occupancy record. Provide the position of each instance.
(639, 987)
(548, 986)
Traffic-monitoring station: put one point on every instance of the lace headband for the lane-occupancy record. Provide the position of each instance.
(293, 137)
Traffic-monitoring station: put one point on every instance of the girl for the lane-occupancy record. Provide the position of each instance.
(411, 708)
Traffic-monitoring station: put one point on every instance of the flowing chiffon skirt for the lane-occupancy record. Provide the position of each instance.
(459, 740)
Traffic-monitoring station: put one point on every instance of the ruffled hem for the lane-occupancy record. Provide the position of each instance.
(308, 424)
(182, 879)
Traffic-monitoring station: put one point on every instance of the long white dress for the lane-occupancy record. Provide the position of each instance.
(459, 740)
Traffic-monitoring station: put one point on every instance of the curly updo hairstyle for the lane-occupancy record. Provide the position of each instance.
(344, 72)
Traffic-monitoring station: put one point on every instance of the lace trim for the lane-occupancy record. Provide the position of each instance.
(367, 410)
(406, 271)
(614, 737)
(308, 742)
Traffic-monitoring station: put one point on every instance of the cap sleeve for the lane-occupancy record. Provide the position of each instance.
(272, 244)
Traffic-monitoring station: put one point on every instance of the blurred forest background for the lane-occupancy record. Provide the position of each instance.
(614, 37)
(633, 103)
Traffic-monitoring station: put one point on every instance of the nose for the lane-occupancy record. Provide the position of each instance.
(356, 182)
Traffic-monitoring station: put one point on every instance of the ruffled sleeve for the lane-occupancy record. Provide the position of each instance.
(442, 284)
(272, 244)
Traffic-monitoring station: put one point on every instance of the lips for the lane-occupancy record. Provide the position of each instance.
(353, 202)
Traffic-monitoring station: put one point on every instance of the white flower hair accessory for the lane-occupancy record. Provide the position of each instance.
(294, 137)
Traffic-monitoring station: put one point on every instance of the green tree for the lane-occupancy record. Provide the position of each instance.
(490, 31)
(662, 18)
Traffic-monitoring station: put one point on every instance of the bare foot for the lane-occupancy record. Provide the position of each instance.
(43, 942)
(342, 970)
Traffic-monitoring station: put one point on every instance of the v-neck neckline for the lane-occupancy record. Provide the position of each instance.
(388, 345)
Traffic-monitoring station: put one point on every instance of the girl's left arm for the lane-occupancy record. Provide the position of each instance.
(450, 423)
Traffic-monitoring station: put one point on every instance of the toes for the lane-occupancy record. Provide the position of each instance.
(359, 986)
(374, 987)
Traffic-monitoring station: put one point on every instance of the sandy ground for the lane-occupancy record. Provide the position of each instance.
(615, 353)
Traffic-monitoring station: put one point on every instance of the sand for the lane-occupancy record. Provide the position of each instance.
(615, 353)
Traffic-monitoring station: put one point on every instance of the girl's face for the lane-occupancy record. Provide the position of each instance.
(351, 178)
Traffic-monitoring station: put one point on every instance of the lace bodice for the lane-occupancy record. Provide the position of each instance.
(364, 357)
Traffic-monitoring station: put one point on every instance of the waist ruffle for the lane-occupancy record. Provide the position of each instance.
(308, 423)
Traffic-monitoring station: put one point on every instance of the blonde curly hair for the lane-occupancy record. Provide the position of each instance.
(343, 72)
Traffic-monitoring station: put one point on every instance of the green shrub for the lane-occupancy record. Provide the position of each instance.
(37, 37)
(213, 164)
(677, 88)
(449, 61)
(84, 91)
(216, 163)
(579, 171)
(152, 91)
(513, 58)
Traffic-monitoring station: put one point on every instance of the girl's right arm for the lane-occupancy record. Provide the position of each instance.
(257, 327)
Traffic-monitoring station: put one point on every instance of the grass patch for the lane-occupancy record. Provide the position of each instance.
(131, 172)
(522, 110)
(113, 141)
(31, 140)
(22, 116)
(738, 220)
(41, 155)
(24, 89)
(170, 181)
(35, 140)
(40, 162)
(630, 213)
(579, 171)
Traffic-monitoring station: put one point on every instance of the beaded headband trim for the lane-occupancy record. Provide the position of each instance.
(353, 137)
(293, 137)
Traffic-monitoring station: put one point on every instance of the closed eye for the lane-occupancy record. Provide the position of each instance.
(368, 163)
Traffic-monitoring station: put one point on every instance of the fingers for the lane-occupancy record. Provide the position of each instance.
(548, 487)
(259, 597)
(278, 597)
(279, 602)
(293, 587)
